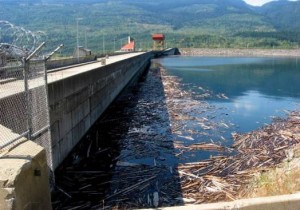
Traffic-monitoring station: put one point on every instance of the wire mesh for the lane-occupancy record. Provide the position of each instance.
(38, 108)
(24, 110)
(13, 115)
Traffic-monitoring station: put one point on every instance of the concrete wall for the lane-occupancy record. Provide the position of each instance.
(78, 101)
(171, 51)
(24, 176)
(52, 64)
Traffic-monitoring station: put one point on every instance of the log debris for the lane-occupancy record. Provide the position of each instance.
(157, 132)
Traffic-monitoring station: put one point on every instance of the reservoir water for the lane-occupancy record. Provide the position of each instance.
(252, 90)
(244, 93)
(132, 154)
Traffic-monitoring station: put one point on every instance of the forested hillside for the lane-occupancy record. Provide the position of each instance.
(186, 23)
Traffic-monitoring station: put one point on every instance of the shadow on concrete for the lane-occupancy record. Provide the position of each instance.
(127, 159)
(16, 157)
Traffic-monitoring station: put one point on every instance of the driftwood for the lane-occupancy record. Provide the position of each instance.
(158, 125)
(256, 151)
(223, 178)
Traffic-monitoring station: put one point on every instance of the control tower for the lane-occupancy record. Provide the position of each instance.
(158, 41)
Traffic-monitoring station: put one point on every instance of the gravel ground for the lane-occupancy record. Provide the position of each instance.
(239, 52)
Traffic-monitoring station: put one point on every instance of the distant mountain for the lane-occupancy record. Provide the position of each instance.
(186, 23)
(283, 15)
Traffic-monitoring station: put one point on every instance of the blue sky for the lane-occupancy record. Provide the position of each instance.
(259, 2)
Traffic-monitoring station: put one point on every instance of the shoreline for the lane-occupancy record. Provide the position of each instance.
(240, 52)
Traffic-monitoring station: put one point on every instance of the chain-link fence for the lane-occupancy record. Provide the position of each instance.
(13, 118)
(38, 107)
(24, 110)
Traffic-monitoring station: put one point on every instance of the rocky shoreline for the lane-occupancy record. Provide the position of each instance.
(240, 52)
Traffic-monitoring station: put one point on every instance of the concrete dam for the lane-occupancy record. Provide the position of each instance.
(78, 96)
(78, 100)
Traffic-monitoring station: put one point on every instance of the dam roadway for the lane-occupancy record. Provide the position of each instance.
(9, 88)
(62, 73)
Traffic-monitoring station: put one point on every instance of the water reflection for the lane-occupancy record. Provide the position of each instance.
(235, 76)
(257, 88)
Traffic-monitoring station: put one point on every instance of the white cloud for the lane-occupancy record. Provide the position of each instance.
(259, 2)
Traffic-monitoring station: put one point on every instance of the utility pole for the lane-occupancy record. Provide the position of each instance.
(114, 44)
(77, 20)
(85, 39)
(103, 44)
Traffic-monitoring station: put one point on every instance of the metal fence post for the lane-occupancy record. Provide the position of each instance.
(27, 97)
(25, 104)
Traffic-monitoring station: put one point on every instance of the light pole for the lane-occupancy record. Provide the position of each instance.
(103, 44)
(114, 44)
(85, 39)
(77, 49)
